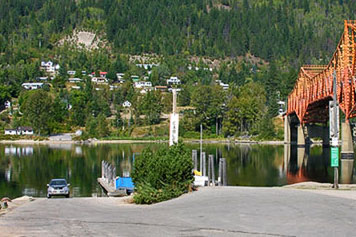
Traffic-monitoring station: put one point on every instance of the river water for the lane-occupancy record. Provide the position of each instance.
(26, 169)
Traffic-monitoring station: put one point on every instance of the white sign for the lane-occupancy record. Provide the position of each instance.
(173, 129)
(334, 122)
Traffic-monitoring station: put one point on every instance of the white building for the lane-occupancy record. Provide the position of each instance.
(7, 104)
(72, 73)
(113, 87)
(281, 107)
(76, 87)
(32, 85)
(25, 130)
(126, 104)
(99, 80)
(49, 66)
(142, 84)
(223, 85)
(120, 77)
(10, 131)
(19, 131)
(75, 80)
(147, 65)
(173, 81)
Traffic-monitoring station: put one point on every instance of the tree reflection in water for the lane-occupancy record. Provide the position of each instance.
(25, 170)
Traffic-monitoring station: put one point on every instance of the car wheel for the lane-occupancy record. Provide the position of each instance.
(48, 196)
(67, 196)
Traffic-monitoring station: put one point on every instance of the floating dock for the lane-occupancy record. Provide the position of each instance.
(110, 189)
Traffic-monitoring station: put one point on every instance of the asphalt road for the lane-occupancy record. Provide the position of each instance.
(227, 211)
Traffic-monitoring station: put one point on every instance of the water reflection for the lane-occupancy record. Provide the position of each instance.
(346, 173)
(18, 151)
(27, 169)
(313, 164)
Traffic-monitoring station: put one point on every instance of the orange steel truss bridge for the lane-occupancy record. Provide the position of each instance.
(313, 90)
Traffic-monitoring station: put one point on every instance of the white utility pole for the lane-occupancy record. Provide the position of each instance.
(174, 121)
(201, 148)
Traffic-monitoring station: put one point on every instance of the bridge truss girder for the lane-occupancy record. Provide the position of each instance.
(314, 87)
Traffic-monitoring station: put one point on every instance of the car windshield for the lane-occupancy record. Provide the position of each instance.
(57, 182)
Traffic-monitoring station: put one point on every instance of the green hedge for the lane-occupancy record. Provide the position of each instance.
(163, 174)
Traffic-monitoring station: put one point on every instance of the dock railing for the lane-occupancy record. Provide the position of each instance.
(108, 173)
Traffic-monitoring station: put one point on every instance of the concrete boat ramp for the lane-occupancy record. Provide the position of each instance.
(211, 211)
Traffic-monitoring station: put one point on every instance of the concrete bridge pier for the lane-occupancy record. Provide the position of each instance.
(301, 138)
(287, 130)
(347, 149)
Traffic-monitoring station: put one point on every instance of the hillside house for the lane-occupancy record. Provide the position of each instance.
(71, 73)
(147, 66)
(103, 74)
(75, 80)
(173, 81)
(161, 88)
(99, 80)
(142, 84)
(120, 77)
(126, 104)
(7, 104)
(19, 131)
(223, 85)
(32, 85)
(113, 87)
(49, 67)
(75, 87)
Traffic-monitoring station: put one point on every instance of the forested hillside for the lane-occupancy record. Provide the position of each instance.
(280, 36)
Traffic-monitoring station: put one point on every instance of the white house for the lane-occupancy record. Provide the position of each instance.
(173, 81)
(10, 131)
(72, 73)
(223, 85)
(49, 66)
(103, 74)
(25, 130)
(75, 80)
(177, 89)
(120, 77)
(126, 104)
(32, 85)
(75, 87)
(99, 80)
(7, 104)
(281, 107)
(142, 84)
(113, 87)
(19, 131)
(147, 65)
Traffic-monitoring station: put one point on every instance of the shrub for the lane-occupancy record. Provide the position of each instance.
(162, 175)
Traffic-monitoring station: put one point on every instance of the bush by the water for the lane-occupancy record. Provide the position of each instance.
(163, 174)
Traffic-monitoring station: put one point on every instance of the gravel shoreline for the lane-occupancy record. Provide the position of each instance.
(246, 142)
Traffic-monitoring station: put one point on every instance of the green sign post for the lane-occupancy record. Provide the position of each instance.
(334, 157)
